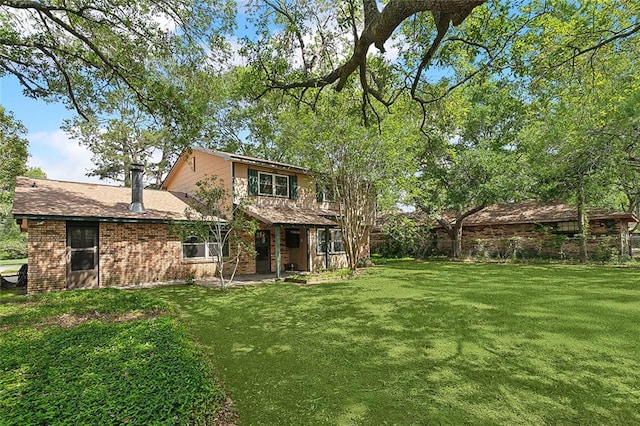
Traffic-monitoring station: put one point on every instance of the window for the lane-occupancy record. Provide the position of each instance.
(282, 186)
(266, 184)
(273, 185)
(292, 238)
(194, 248)
(324, 192)
(336, 243)
(82, 242)
(567, 228)
(321, 247)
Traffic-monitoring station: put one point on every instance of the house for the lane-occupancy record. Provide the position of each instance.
(298, 227)
(87, 235)
(84, 235)
(531, 229)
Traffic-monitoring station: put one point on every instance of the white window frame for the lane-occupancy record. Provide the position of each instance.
(572, 227)
(209, 251)
(274, 192)
(332, 241)
(328, 195)
(335, 240)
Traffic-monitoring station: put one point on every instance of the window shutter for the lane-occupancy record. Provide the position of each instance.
(253, 182)
(293, 187)
(319, 193)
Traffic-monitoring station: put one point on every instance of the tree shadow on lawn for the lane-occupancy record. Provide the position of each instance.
(420, 346)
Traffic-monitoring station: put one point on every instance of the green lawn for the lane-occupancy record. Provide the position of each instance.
(11, 266)
(100, 357)
(428, 343)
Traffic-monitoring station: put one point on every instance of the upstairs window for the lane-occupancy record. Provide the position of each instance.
(324, 192)
(273, 185)
(266, 184)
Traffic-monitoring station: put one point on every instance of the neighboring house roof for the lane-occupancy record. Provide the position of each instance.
(538, 212)
(41, 198)
(276, 215)
(523, 212)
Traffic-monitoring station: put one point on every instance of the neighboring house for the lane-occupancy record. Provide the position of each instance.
(87, 235)
(533, 229)
(298, 228)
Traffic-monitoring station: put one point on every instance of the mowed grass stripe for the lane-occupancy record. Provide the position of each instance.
(428, 343)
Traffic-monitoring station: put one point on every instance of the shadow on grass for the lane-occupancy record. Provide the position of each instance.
(418, 343)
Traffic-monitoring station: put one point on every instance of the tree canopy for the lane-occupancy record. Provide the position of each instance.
(76, 51)
(455, 95)
(13, 153)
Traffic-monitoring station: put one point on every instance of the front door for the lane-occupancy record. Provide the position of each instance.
(82, 255)
(263, 251)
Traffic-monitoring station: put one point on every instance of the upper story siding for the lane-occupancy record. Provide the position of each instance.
(301, 193)
(193, 167)
(234, 171)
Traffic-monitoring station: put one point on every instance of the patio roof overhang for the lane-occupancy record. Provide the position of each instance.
(292, 216)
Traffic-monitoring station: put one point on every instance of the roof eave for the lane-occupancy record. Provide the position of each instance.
(94, 218)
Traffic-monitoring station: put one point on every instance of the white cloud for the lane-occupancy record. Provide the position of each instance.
(236, 59)
(60, 157)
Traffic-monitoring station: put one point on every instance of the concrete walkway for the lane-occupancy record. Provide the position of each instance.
(243, 280)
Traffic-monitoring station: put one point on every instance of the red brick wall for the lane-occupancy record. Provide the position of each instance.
(141, 253)
(130, 254)
(504, 240)
(47, 256)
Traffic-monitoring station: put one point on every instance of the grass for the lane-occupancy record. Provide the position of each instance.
(428, 343)
(100, 357)
(12, 261)
(11, 266)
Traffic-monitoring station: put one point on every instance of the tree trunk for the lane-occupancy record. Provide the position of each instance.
(583, 224)
(456, 239)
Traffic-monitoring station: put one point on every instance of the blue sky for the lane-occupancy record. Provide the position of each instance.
(49, 147)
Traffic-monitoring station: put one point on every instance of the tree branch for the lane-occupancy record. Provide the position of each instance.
(379, 27)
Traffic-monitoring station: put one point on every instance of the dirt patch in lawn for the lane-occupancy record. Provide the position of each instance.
(72, 320)
(227, 415)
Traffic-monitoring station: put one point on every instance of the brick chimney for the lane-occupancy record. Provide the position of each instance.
(136, 188)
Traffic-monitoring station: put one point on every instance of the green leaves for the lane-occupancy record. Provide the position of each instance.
(13, 153)
(76, 51)
(104, 356)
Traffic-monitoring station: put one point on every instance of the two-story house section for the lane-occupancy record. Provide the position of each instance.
(298, 227)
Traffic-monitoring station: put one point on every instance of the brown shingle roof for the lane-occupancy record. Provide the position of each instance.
(49, 198)
(275, 215)
(537, 212)
(522, 212)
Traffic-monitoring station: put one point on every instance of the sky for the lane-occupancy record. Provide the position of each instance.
(49, 147)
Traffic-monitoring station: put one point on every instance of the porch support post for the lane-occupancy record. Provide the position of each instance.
(278, 253)
(327, 258)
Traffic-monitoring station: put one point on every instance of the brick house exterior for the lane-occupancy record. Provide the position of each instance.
(87, 235)
(528, 229)
(130, 248)
(295, 219)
